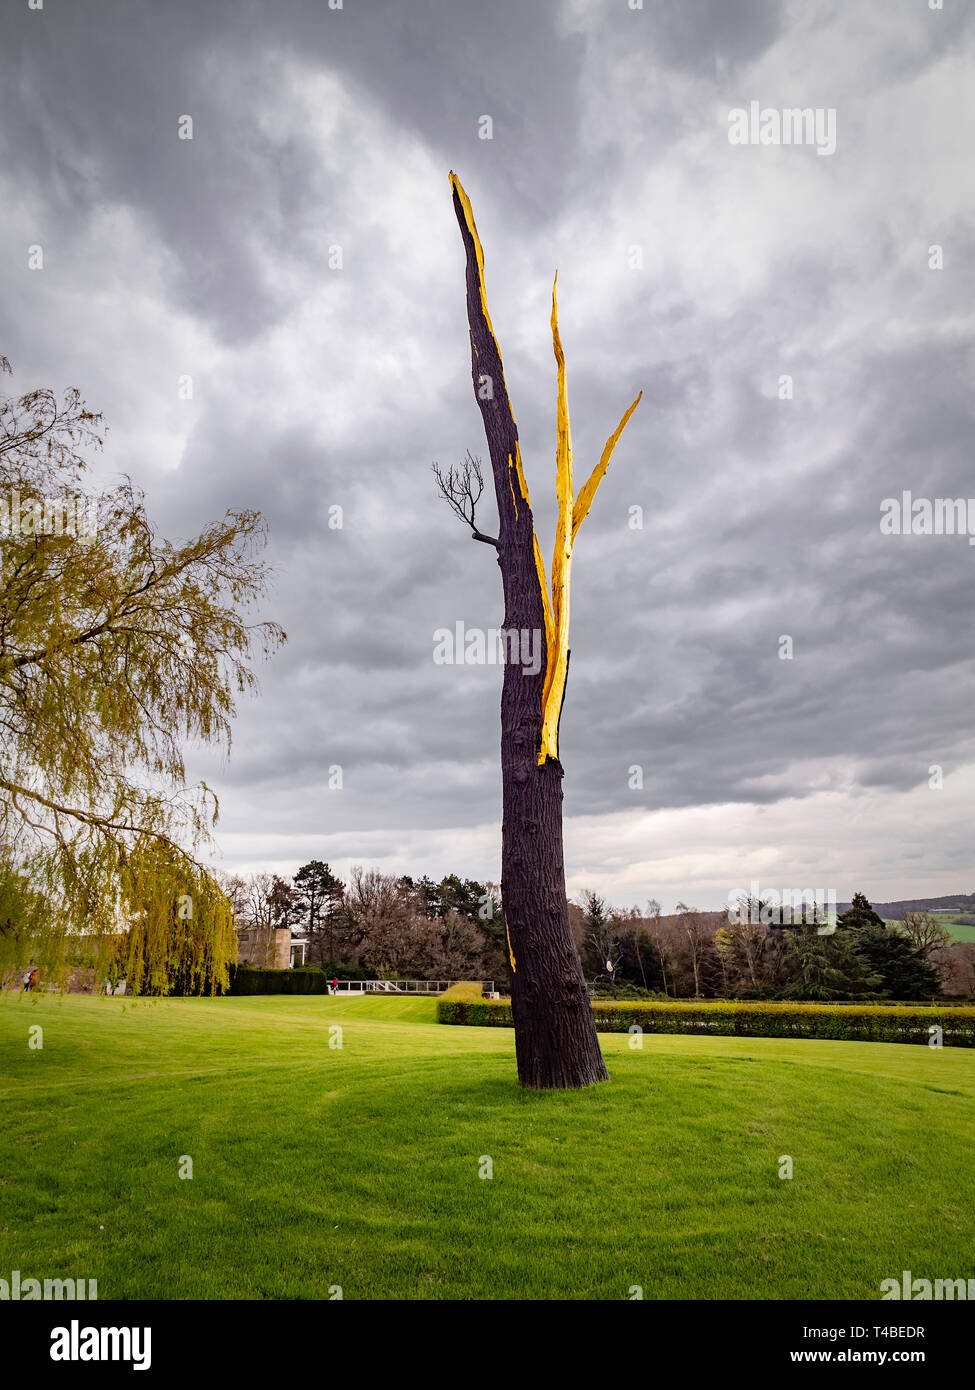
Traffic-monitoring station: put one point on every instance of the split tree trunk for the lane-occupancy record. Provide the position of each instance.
(555, 1035)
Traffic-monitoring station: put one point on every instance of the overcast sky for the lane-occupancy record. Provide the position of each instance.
(695, 269)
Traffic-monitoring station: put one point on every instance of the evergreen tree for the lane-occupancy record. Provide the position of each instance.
(460, 895)
(859, 914)
(827, 967)
(320, 899)
(902, 967)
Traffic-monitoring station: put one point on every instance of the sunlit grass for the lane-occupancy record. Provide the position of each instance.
(315, 1166)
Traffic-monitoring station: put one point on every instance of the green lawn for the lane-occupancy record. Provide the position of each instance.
(960, 931)
(359, 1167)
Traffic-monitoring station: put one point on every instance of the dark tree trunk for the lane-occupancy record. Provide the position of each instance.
(555, 1035)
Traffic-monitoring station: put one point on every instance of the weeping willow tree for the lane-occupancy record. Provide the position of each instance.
(179, 934)
(555, 1036)
(116, 648)
(25, 917)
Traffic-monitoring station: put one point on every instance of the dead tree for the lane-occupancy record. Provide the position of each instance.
(555, 1036)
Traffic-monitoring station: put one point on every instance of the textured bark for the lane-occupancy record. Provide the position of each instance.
(555, 1035)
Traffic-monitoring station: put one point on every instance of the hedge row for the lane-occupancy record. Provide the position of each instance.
(255, 980)
(467, 991)
(717, 1017)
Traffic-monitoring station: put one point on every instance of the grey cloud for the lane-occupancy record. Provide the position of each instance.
(760, 516)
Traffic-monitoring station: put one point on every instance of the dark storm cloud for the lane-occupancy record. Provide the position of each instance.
(100, 87)
(316, 389)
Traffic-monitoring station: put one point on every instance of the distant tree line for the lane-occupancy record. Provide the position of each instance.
(387, 926)
(737, 955)
(379, 924)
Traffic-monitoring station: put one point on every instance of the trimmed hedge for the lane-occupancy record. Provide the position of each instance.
(479, 1013)
(250, 979)
(718, 1017)
(472, 991)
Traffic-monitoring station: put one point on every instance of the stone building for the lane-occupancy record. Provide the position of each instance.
(268, 947)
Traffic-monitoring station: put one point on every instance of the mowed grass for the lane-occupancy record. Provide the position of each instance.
(315, 1167)
(959, 931)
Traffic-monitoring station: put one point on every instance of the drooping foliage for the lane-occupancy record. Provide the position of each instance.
(117, 647)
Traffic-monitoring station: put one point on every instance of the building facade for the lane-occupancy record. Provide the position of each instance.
(266, 947)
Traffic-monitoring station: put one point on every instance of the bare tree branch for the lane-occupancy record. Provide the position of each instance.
(457, 488)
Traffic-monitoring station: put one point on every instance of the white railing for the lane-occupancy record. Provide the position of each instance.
(401, 986)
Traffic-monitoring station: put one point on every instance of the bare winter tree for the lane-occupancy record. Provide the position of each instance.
(384, 924)
(461, 489)
(699, 938)
(610, 955)
(750, 953)
(454, 948)
(927, 932)
(662, 939)
(631, 931)
(555, 1036)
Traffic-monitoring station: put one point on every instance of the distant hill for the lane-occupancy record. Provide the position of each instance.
(949, 902)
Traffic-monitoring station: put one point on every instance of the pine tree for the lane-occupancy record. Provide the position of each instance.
(859, 914)
(904, 972)
(319, 899)
(827, 967)
(901, 967)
